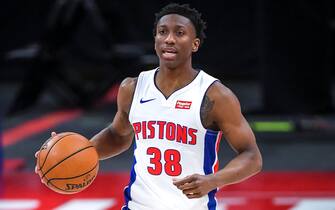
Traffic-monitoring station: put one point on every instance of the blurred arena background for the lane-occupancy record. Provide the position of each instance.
(62, 60)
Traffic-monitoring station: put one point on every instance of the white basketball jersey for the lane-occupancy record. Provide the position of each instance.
(170, 142)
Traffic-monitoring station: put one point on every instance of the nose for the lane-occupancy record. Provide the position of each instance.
(170, 39)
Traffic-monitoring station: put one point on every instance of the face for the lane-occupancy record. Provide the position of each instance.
(175, 40)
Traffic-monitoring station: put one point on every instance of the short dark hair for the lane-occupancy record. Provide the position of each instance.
(184, 10)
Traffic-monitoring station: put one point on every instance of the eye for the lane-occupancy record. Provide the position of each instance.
(161, 31)
(180, 33)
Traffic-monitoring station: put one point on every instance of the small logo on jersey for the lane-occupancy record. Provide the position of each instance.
(183, 104)
(142, 101)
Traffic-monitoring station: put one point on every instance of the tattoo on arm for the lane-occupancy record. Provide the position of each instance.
(206, 106)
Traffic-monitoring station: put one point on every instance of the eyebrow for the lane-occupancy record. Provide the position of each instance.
(177, 26)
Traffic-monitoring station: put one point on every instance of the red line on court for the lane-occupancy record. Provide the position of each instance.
(265, 191)
(34, 126)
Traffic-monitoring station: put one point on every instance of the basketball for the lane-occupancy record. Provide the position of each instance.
(67, 163)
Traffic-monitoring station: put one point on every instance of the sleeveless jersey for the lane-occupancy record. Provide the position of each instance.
(170, 142)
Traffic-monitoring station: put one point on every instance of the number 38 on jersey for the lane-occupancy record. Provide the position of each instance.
(167, 162)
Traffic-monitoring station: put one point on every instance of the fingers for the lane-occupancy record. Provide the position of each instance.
(53, 134)
(36, 156)
(180, 182)
(42, 181)
(37, 153)
(188, 185)
(191, 191)
(193, 195)
(192, 186)
(37, 170)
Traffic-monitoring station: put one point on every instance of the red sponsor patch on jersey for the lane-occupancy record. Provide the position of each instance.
(183, 104)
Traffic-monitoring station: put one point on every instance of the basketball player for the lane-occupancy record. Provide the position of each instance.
(177, 114)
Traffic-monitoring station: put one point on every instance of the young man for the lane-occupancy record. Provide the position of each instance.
(177, 115)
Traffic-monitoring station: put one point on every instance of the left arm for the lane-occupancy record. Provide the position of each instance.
(222, 112)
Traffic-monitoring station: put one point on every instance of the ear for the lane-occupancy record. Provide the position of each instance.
(195, 45)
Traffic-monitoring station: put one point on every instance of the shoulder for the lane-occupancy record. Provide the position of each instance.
(219, 104)
(218, 92)
(225, 102)
(226, 106)
(216, 89)
(129, 83)
(126, 92)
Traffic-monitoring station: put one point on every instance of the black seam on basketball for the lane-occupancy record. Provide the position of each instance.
(74, 176)
(46, 179)
(65, 159)
(45, 159)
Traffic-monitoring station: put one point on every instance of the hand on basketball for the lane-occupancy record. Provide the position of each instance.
(37, 153)
(196, 185)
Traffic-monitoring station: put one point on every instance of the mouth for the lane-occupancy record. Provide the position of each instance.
(169, 50)
(169, 53)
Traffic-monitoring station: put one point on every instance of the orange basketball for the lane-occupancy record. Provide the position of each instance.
(67, 163)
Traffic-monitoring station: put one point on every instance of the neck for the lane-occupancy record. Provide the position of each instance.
(175, 72)
(169, 80)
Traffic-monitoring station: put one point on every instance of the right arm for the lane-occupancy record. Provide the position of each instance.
(118, 136)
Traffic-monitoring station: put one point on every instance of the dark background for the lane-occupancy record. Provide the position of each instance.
(285, 47)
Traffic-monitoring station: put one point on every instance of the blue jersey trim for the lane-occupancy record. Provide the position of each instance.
(127, 190)
(209, 161)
